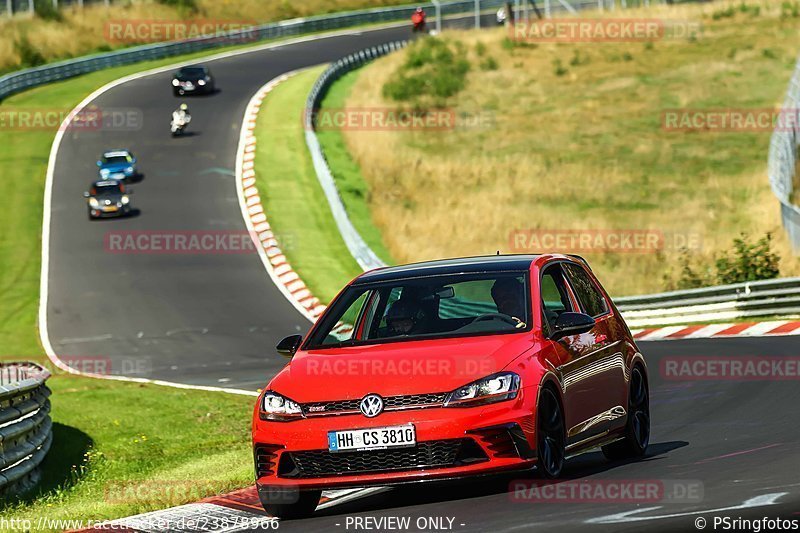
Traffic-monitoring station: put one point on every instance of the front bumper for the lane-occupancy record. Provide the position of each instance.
(451, 443)
(99, 213)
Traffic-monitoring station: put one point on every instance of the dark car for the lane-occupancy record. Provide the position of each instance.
(450, 369)
(108, 198)
(194, 79)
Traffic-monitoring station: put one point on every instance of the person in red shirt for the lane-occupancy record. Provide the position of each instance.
(418, 19)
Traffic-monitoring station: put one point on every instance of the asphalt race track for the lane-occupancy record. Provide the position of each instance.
(214, 320)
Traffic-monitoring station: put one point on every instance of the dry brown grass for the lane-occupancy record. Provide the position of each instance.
(585, 150)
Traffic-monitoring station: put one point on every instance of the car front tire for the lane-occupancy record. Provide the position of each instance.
(637, 428)
(550, 435)
(302, 506)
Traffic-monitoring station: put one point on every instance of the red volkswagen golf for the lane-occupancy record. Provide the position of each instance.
(450, 369)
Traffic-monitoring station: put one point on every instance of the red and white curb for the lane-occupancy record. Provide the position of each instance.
(279, 269)
(741, 329)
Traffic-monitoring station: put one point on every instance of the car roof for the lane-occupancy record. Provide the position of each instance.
(193, 66)
(117, 153)
(461, 265)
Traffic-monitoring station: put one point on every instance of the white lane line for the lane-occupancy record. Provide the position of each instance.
(77, 340)
(628, 516)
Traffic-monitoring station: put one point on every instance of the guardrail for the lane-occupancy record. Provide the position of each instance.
(774, 297)
(25, 79)
(25, 426)
(361, 252)
(782, 163)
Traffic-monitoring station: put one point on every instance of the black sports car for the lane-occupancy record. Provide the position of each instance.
(194, 79)
(108, 198)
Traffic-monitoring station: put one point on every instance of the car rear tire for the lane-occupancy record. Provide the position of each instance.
(550, 435)
(637, 428)
(306, 502)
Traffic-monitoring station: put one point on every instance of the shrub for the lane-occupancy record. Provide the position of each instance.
(28, 55)
(44, 9)
(489, 63)
(749, 261)
(432, 68)
(183, 5)
(746, 262)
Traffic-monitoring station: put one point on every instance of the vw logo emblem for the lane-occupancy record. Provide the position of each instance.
(371, 405)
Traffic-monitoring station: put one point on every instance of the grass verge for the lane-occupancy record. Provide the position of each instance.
(564, 137)
(111, 457)
(292, 196)
(352, 186)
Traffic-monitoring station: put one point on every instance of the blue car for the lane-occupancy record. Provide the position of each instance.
(117, 165)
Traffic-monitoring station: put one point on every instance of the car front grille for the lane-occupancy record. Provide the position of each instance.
(390, 403)
(429, 454)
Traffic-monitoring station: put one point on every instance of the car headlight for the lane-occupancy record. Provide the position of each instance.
(129, 170)
(104, 172)
(277, 407)
(93, 202)
(124, 200)
(175, 83)
(494, 388)
(201, 82)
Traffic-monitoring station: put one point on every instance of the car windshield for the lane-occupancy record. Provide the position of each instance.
(116, 159)
(192, 72)
(439, 306)
(99, 190)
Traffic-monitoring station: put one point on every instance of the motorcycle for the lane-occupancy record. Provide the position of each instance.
(178, 126)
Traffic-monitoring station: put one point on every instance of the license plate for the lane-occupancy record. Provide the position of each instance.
(109, 209)
(372, 438)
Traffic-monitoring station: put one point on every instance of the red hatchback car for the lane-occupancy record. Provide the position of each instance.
(450, 369)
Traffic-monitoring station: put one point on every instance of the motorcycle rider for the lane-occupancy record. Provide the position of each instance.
(418, 19)
(180, 118)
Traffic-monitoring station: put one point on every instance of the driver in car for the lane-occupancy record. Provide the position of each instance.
(401, 318)
(509, 298)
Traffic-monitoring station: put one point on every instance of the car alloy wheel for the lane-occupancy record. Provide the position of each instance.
(550, 435)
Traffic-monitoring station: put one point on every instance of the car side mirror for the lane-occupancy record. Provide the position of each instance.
(288, 346)
(569, 323)
(86, 195)
(99, 163)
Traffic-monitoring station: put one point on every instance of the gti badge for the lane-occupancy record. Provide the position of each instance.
(371, 405)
